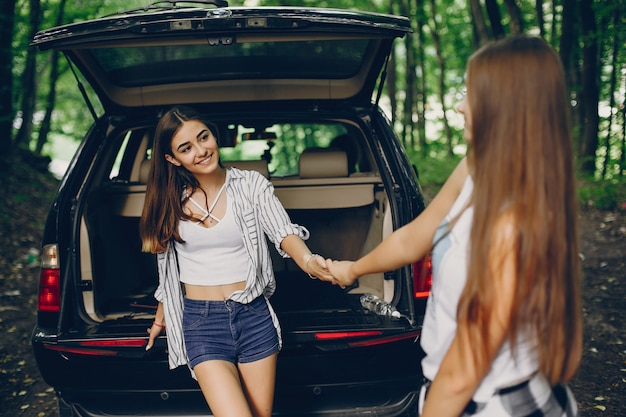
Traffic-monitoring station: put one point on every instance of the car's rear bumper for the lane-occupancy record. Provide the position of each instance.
(191, 404)
(380, 380)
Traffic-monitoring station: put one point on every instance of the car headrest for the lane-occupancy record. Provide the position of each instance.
(144, 171)
(323, 163)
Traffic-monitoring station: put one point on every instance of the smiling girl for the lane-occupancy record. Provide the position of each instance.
(207, 225)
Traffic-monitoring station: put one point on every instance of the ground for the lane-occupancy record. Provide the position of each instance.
(600, 385)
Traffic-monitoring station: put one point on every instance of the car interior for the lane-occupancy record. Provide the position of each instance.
(344, 207)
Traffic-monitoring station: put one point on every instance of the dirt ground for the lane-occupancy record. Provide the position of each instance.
(600, 386)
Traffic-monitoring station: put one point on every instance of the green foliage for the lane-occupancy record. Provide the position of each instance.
(455, 30)
(603, 194)
(435, 168)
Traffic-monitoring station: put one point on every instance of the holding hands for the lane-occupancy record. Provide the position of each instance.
(315, 267)
(342, 272)
(335, 272)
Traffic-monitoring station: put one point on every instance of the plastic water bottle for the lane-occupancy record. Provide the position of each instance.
(379, 306)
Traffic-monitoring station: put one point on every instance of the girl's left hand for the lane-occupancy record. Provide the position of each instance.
(316, 268)
(153, 332)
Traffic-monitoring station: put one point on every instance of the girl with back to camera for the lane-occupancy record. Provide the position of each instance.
(503, 331)
(207, 225)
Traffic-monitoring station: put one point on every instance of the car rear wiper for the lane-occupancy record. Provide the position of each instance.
(164, 5)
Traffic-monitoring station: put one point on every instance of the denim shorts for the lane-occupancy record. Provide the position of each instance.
(228, 330)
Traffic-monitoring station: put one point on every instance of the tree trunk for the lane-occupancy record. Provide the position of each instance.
(29, 82)
(479, 22)
(44, 129)
(421, 86)
(553, 25)
(540, 18)
(7, 14)
(391, 80)
(409, 82)
(590, 87)
(567, 52)
(622, 164)
(442, 79)
(612, 89)
(568, 32)
(516, 24)
(495, 18)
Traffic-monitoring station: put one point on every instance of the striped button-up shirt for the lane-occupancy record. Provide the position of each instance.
(258, 213)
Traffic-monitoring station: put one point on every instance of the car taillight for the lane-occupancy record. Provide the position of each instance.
(422, 277)
(346, 335)
(113, 347)
(80, 351)
(373, 342)
(50, 280)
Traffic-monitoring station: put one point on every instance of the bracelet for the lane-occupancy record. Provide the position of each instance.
(162, 326)
(306, 265)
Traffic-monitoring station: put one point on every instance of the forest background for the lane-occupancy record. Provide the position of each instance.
(42, 111)
(38, 96)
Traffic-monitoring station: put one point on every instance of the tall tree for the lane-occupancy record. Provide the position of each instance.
(622, 164)
(391, 82)
(516, 24)
(442, 76)
(568, 45)
(614, 64)
(554, 23)
(44, 128)
(590, 93)
(7, 15)
(479, 22)
(495, 18)
(29, 81)
(420, 20)
(409, 82)
(541, 21)
(568, 24)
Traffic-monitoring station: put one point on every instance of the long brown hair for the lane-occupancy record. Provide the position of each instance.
(162, 208)
(522, 165)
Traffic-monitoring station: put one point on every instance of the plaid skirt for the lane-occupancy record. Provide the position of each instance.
(533, 397)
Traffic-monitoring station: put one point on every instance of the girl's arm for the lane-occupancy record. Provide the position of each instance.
(460, 373)
(411, 242)
(288, 237)
(314, 265)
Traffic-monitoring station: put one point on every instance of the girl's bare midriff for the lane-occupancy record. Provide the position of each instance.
(212, 292)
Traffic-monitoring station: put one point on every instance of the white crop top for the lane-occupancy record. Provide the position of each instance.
(214, 255)
(450, 261)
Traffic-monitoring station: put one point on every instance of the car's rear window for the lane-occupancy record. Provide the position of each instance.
(283, 151)
(279, 143)
(219, 60)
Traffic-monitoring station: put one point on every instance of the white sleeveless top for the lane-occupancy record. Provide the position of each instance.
(214, 255)
(450, 261)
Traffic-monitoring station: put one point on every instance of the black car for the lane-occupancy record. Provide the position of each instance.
(293, 93)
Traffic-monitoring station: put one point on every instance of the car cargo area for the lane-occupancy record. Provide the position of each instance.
(345, 208)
